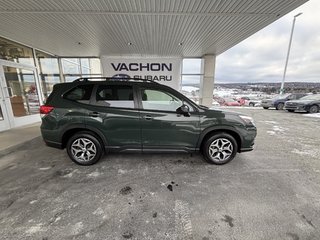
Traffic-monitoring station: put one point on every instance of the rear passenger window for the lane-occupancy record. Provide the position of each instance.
(80, 93)
(115, 96)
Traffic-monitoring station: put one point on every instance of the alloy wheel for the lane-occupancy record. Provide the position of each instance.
(220, 149)
(313, 109)
(83, 149)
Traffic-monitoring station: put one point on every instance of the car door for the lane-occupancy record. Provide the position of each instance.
(113, 111)
(162, 128)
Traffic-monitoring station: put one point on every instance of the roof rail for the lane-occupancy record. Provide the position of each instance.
(115, 78)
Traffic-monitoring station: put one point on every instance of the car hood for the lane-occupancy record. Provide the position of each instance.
(215, 112)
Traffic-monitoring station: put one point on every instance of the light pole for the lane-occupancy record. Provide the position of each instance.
(288, 53)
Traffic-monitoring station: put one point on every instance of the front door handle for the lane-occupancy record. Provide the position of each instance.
(147, 117)
(94, 114)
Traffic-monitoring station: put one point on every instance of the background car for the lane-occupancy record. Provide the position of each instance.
(279, 101)
(310, 103)
(231, 102)
(249, 101)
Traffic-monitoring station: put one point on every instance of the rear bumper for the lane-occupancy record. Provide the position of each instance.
(50, 138)
(53, 144)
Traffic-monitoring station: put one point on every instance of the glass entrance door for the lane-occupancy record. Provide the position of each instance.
(21, 95)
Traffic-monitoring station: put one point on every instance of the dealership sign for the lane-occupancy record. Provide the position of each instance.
(163, 70)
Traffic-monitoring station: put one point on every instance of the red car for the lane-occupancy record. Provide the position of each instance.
(231, 102)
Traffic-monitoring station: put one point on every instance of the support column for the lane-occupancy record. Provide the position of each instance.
(207, 82)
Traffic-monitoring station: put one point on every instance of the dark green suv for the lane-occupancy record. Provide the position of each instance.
(90, 117)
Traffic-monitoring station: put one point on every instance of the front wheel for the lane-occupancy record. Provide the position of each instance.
(290, 110)
(280, 106)
(265, 107)
(220, 148)
(84, 148)
(313, 109)
(251, 104)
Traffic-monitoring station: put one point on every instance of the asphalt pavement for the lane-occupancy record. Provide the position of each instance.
(272, 192)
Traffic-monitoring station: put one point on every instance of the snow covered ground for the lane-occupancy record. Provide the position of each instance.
(315, 115)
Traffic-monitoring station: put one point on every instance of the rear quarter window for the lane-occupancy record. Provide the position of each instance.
(115, 96)
(80, 93)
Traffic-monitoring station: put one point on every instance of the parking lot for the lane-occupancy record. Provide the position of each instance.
(272, 192)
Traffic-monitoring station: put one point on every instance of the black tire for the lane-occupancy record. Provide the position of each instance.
(313, 109)
(265, 107)
(280, 106)
(90, 148)
(214, 158)
(290, 110)
(251, 104)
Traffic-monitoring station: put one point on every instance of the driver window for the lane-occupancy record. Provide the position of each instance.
(158, 100)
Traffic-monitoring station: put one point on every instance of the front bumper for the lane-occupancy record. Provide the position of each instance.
(295, 107)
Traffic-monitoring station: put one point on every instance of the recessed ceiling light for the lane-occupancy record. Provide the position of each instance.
(180, 43)
(129, 43)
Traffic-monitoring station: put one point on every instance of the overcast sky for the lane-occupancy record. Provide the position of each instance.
(261, 57)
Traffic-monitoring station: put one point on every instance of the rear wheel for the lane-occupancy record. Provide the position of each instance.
(280, 106)
(290, 110)
(313, 109)
(84, 148)
(220, 148)
(265, 107)
(251, 104)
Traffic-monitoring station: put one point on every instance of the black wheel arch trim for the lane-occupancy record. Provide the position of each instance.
(83, 127)
(204, 133)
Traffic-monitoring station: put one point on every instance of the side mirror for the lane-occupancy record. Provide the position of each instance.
(184, 110)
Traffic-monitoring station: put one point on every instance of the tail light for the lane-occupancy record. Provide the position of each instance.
(44, 110)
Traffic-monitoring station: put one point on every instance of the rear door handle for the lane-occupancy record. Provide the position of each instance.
(147, 117)
(94, 114)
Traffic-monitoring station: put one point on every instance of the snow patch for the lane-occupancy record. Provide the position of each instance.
(35, 229)
(271, 133)
(44, 168)
(121, 171)
(76, 229)
(270, 122)
(94, 174)
(304, 153)
(69, 175)
(278, 129)
(314, 115)
(98, 211)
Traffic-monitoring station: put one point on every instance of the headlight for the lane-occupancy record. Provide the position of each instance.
(248, 120)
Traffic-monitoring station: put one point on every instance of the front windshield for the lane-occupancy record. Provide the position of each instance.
(311, 97)
(281, 96)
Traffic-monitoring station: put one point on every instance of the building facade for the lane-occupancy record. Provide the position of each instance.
(27, 76)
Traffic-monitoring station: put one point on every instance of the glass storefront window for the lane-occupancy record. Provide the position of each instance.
(74, 68)
(85, 66)
(49, 71)
(95, 65)
(15, 52)
(71, 65)
(192, 66)
(191, 78)
(71, 78)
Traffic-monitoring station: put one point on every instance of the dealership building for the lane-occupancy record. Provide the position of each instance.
(46, 42)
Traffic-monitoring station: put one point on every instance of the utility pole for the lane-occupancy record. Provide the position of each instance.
(288, 53)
